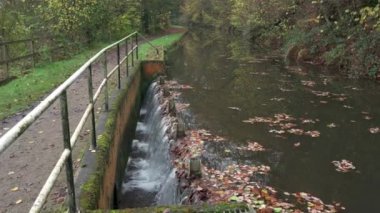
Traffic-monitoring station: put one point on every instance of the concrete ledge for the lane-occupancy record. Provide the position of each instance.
(219, 208)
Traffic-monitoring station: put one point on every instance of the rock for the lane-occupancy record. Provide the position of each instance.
(195, 167)
(292, 54)
(298, 54)
(161, 80)
(172, 109)
(181, 129)
(166, 92)
(303, 55)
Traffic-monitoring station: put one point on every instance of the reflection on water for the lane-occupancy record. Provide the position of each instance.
(227, 72)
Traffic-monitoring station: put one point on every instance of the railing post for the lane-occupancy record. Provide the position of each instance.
(67, 145)
(132, 50)
(91, 100)
(137, 46)
(6, 57)
(118, 67)
(106, 98)
(33, 52)
(127, 55)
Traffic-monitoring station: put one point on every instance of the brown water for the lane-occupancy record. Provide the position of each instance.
(229, 72)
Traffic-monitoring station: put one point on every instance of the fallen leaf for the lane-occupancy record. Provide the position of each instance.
(343, 166)
(348, 107)
(18, 202)
(332, 125)
(374, 130)
(15, 189)
(313, 134)
(235, 108)
(297, 144)
(308, 83)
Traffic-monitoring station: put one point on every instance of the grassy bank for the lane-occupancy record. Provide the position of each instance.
(21, 93)
(164, 41)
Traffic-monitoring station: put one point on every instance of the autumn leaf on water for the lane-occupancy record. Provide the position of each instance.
(374, 130)
(313, 134)
(253, 146)
(321, 93)
(296, 131)
(348, 107)
(343, 166)
(235, 108)
(308, 83)
(277, 99)
(308, 121)
(280, 132)
(332, 125)
(286, 90)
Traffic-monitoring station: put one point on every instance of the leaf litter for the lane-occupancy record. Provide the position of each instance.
(253, 146)
(343, 166)
(236, 183)
(285, 123)
(374, 130)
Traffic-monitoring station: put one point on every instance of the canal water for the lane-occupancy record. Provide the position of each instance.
(233, 81)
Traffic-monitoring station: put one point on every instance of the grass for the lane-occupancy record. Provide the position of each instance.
(22, 92)
(164, 41)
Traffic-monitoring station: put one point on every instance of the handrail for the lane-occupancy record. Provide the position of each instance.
(25, 40)
(60, 93)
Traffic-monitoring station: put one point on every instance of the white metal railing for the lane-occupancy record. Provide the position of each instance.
(131, 43)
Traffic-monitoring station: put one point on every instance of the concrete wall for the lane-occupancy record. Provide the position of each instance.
(114, 145)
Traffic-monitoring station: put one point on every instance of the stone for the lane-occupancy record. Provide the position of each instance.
(195, 167)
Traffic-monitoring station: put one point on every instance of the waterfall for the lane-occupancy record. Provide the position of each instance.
(149, 177)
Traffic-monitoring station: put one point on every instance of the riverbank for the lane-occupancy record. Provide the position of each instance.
(343, 35)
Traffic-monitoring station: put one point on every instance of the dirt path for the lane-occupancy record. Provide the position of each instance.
(26, 165)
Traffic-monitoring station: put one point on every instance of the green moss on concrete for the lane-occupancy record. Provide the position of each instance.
(91, 190)
(219, 208)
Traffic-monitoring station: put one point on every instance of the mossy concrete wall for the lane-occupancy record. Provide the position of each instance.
(122, 135)
(205, 208)
(114, 144)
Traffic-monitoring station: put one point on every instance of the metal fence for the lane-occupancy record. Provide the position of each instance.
(131, 43)
(32, 48)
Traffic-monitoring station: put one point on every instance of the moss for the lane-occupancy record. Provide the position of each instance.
(91, 190)
(223, 207)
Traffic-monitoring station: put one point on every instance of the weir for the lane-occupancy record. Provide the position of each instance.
(149, 177)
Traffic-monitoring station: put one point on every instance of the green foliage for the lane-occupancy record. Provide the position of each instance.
(340, 33)
(335, 54)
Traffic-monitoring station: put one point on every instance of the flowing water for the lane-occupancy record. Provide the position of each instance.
(229, 72)
(149, 178)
